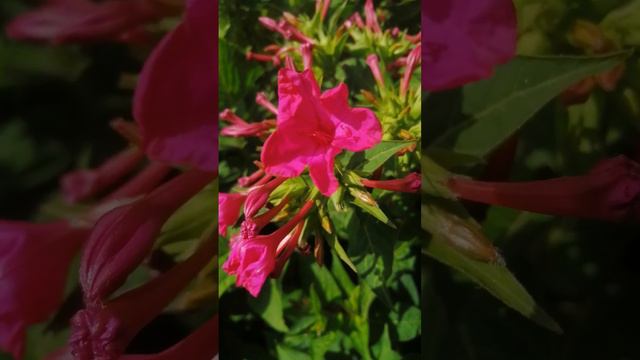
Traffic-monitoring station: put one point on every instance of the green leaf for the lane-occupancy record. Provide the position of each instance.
(335, 245)
(374, 158)
(371, 208)
(371, 250)
(269, 306)
(326, 284)
(383, 348)
(287, 353)
(409, 325)
(452, 244)
(501, 105)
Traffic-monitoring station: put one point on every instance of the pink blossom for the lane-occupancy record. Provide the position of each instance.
(176, 96)
(253, 258)
(374, 65)
(370, 16)
(258, 196)
(412, 61)
(313, 128)
(229, 210)
(83, 184)
(103, 330)
(241, 128)
(463, 40)
(34, 261)
(410, 183)
(247, 181)
(122, 237)
(262, 100)
(83, 20)
(610, 191)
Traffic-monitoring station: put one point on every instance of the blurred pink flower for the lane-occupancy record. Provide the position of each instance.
(104, 329)
(253, 258)
(240, 128)
(259, 195)
(409, 183)
(610, 191)
(80, 185)
(462, 41)
(229, 210)
(34, 261)
(313, 128)
(122, 238)
(175, 101)
(61, 21)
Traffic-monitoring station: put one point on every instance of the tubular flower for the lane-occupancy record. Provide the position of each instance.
(410, 183)
(462, 41)
(253, 258)
(229, 210)
(34, 261)
(178, 122)
(61, 21)
(374, 65)
(370, 17)
(247, 181)
(83, 184)
(240, 128)
(258, 196)
(610, 191)
(313, 127)
(122, 238)
(102, 331)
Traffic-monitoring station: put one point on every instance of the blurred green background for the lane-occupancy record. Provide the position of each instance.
(583, 273)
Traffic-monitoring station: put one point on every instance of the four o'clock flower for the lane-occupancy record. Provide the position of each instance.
(229, 210)
(83, 184)
(60, 21)
(314, 127)
(259, 195)
(240, 128)
(610, 191)
(177, 122)
(463, 40)
(370, 17)
(252, 259)
(34, 260)
(410, 183)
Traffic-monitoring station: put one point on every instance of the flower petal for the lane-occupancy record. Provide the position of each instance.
(321, 169)
(462, 41)
(357, 129)
(176, 97)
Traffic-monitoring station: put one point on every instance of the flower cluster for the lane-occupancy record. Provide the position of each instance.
(153, 187)
(308, 152)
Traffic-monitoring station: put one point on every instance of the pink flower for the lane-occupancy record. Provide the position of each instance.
(83, 20)
(410, 183)
(313, 128)
(229, 207)
(258, 196)
(262, 100)
(83, 184)
(253, 258)
(241, 128)
(122, 237)
(34, 261)
(374, 65)
(370, 16)
(610, 191)
(247, 181)
(178, 121)
(103, 330)
(412, 61)
(463, 40)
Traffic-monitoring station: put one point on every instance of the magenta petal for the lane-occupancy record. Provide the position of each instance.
(284, 154)
(175, 101)
(322, 173)
(356, 129)
(34, 260)
(462, 41)
(229, 210)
